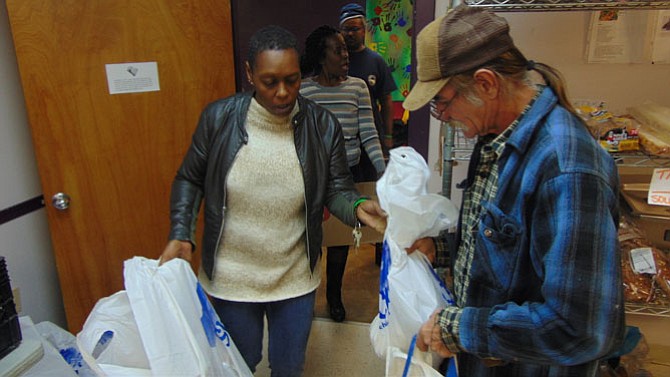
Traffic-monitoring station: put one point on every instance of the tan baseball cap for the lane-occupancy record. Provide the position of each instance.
(462, 39)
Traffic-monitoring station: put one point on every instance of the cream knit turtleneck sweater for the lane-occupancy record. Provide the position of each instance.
(262, 253)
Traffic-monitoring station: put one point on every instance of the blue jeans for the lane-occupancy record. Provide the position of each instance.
(289, 323)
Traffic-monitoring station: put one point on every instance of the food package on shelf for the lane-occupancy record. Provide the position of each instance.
(645, 268)
(594, 114)
(614, 133)
(621, 135)
(654, 132)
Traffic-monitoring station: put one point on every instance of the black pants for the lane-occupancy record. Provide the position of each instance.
(336, 261)
(336, 256)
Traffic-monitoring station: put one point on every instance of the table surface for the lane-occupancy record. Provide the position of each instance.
(52, 363)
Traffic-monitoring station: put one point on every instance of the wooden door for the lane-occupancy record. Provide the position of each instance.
(115, 155)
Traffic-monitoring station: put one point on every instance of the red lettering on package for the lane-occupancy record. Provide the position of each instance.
(659, 188)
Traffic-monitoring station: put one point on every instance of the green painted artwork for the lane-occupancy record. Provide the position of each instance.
(390, 34)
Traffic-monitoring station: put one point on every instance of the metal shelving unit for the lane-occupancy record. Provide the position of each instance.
(455, 147)
(641, 160)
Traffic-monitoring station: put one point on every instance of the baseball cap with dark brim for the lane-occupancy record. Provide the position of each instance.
(463, 39)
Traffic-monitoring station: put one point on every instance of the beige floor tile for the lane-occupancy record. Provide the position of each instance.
(337, 350)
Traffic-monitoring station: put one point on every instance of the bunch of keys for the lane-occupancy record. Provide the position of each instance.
(357, 235)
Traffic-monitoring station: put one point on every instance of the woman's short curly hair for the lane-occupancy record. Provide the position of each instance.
(315, 50)
(270, 37)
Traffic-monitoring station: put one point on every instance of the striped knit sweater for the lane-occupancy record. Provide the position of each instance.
(350, 103)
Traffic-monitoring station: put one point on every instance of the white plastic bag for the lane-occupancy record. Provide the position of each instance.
(110, 341)
(162, 325)
(409, 288)
(181, 332)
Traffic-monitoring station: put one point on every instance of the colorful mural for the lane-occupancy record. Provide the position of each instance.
(390, 34)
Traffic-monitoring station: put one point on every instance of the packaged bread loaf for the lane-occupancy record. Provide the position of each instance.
(654, 131)
(614, 133)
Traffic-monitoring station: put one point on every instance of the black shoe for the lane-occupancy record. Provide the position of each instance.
(337, 312)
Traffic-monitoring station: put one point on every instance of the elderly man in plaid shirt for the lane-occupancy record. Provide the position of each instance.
(536, 260)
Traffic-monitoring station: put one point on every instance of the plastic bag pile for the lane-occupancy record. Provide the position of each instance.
(162, 325)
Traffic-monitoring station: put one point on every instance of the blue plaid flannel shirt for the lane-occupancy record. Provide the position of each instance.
(544, 290)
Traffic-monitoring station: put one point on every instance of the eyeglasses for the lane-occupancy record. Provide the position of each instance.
(352, 29)
(444, 104)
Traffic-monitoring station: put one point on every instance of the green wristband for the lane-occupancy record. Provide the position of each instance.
(358, 202)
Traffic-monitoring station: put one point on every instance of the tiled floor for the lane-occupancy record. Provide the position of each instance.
(337, 350)
(344, 349)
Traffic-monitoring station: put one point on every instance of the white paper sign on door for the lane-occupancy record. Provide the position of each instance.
(132, 77)
(659, 188)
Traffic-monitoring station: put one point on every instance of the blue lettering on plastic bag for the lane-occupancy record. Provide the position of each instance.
(210, 322)
(73, 357)
(385, 300)
(384, 286)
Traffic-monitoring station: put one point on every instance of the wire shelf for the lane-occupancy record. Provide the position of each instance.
(648, 309)
(640, 160)
(461, 149)
(565, 5)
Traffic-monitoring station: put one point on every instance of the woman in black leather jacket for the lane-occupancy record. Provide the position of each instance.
(265, 164)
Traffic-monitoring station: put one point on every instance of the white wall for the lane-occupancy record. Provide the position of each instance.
(559, 39)
(24, 242)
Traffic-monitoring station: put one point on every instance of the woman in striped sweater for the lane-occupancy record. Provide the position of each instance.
(324, 67)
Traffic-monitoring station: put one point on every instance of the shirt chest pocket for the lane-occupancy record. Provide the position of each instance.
(497, 245)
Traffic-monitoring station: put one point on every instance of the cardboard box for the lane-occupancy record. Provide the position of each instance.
(336, 233)
(653, 220)
(656, 229)
(634, 174)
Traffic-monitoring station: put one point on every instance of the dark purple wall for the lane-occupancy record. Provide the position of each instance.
(419, 121)
(303, 16)
(298, 16)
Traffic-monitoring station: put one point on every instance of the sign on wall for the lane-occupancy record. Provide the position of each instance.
(630, 36)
